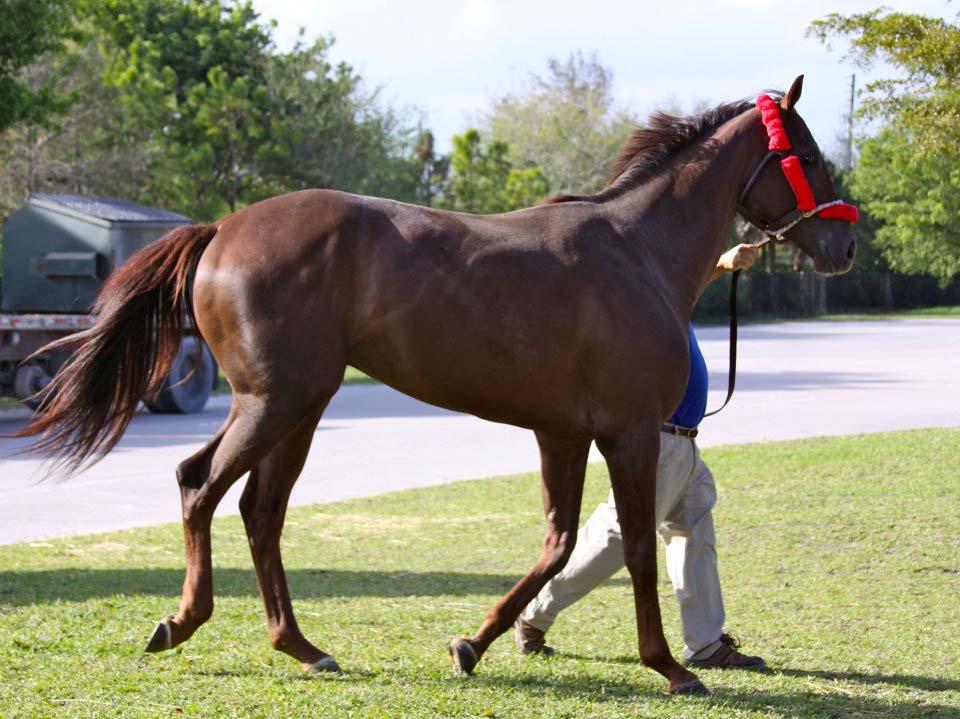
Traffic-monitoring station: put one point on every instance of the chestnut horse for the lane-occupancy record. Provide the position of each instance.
(569, 318)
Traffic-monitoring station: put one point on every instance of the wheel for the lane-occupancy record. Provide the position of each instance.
(188, 386)
(30, 379)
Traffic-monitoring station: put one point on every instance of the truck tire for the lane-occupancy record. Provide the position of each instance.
(188, 386)
(30, 379)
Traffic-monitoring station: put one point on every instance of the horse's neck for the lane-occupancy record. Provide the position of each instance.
(684, 218)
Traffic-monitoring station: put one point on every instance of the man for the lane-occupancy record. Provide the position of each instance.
(686, 494)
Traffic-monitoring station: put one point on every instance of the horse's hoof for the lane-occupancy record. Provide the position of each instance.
(326, 665)
(463, 656)
(162, 638)
(691, 688)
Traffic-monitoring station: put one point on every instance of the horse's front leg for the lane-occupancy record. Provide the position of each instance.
(563, 463)
(632, 460)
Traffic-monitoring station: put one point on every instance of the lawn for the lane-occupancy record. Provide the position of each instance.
(840, 559)
(948, 312)
(934, 313)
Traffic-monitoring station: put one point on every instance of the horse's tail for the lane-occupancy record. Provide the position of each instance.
(142, 312)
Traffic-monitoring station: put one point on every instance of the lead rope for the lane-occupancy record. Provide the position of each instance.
(732, 372)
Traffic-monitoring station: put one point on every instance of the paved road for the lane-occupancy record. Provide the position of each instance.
(796, 379)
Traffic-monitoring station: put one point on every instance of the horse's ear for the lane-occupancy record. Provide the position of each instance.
(793, 94)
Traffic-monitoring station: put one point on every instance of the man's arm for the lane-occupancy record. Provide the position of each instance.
(741, 257)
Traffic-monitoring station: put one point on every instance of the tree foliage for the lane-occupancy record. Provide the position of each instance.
(328, 131)
(483, 180)
(566, 123)
(187, 104)
(907, 177)
(433, 169)
(191, 74)
(916, 196)
(87, 148)
(28, 30)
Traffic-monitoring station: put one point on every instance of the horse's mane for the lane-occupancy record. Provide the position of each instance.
(651, 147)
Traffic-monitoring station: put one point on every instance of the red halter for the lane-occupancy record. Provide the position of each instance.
(807, 206)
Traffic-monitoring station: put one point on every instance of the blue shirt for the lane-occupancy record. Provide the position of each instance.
(694, 403)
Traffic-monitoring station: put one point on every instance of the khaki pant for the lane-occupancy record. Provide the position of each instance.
(686, 494)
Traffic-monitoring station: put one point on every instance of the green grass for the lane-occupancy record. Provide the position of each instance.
(950, 312)
(355, 376)
(840, 560)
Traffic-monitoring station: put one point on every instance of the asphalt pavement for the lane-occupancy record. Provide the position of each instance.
(795, 379)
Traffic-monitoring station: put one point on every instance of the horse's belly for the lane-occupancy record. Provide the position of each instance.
(546, 399)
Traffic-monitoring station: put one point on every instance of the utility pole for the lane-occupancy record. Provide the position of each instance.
(848, 159)
(820, 286)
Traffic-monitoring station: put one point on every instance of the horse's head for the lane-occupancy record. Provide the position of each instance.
(793, 198)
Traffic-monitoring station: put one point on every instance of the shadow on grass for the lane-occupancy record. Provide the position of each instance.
(930, 684)
(803, 704)
(816, 705)
(22, 588)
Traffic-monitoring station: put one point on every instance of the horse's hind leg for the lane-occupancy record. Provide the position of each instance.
(263, 506)
(252, 428)
(563, 463)
(632, 459)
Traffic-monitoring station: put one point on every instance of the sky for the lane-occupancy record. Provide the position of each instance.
(447, 59)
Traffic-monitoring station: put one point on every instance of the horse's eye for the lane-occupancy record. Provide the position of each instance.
(810, 158)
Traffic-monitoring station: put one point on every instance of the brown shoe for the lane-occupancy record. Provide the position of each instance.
(727, 657)
(531, 640)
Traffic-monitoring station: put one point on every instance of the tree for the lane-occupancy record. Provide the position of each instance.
(907, 177)
(525, 187)
(224, 131)
(916, 197)
(478, 174)
(190, 76)
(30, 29)
(869, 251)
(483, 181)
(434, 169)
(925, 98)
(187, 104)
(566, 123)
(328, 131)
(84, 149)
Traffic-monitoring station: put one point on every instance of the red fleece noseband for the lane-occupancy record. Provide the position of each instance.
(798, 182)
(793, 171)
(845, 213)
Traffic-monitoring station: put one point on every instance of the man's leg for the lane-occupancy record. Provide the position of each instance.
(597, 556)
(692, 566)
(691, 553)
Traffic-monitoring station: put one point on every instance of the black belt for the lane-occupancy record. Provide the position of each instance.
(688, 432)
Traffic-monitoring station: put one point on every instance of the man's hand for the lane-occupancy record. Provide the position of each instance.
(741, 257)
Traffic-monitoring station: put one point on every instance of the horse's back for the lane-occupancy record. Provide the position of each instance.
(510, 317)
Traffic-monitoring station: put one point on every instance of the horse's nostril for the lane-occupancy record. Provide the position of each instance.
(851, 249)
